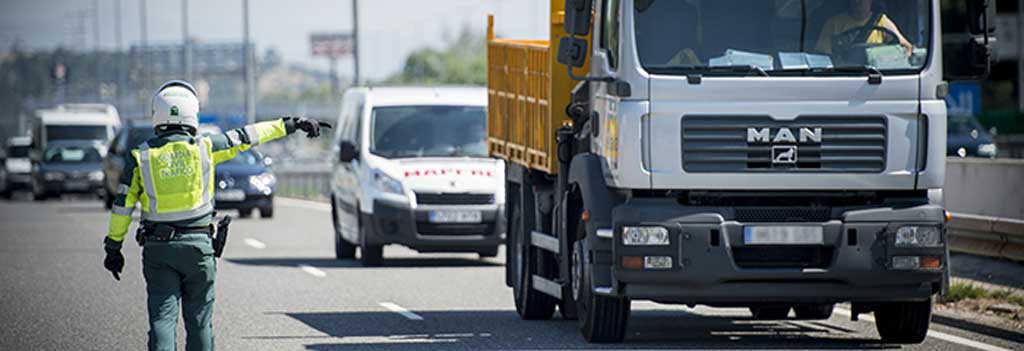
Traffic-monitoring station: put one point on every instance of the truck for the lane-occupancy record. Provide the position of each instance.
(772, 155)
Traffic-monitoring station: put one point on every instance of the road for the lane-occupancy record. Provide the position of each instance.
(279, 288)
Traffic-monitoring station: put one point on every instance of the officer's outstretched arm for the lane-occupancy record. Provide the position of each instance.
(226, 146)
(129, 188)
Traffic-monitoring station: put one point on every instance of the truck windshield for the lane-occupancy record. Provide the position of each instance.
(783, 37)
(81, 132)
(429, 131)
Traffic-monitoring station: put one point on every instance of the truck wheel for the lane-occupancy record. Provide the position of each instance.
(903, 322)
(602, 318)
(530, 303)
(814, 311)
(267, 212)
(769, 312)
(369, 255)
(342, 249)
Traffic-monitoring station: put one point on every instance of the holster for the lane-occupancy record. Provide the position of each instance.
(221, 239)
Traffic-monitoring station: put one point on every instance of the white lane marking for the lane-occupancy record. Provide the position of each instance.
(313, 271)
(937, 334)
(306, 204)
(255, 243)
(402, 311)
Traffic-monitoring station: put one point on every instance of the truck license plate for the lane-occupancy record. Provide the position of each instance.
(455, 216)
(229, 195)
(783, 235)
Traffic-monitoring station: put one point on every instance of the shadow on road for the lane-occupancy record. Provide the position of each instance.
(477, 330)
(418, 262)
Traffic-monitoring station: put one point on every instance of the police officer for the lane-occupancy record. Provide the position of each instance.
(171, 175)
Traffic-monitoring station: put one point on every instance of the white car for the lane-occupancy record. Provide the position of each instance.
(17, 168)
(410, 167)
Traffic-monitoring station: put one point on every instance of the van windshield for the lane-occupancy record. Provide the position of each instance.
(429, 131)
(782, 37)
(17, 151)
(84, 132)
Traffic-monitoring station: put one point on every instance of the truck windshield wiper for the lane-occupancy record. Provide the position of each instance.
(874, 75)
(697, 69)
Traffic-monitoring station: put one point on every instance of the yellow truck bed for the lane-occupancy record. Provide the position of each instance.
(527, 93)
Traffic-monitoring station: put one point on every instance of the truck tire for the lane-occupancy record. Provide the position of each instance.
(769, 312)
(370, 255)
(531, 304)
(903, 322)
(814, 311)
(601, 318)
(342, 248)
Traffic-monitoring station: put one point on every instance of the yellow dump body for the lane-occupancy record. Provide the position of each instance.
(527, 93)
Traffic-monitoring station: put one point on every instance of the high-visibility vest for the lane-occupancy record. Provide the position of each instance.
(177, 180)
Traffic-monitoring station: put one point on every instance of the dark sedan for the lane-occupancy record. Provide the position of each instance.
(128, 138)
(245, 183)
(966, 137)
(68, 167)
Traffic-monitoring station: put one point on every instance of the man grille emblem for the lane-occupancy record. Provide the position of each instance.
(784, 154)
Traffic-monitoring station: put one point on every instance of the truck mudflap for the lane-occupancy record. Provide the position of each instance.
(711, 257)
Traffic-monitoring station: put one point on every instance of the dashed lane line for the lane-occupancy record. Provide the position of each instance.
(306, 204)
(402, 311)
(937, 334)
(313, 271)
(256, 244)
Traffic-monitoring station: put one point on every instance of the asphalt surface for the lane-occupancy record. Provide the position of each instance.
(279, 288)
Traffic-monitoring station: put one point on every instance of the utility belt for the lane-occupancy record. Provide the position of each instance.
(161, 232)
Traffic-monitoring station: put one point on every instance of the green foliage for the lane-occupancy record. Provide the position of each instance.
(464, 62)
(962, 291)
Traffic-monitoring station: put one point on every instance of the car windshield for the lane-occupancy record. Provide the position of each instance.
(429, 131)
(72, 154)
(247, 157)
(782, 37)
(76, 133)
(17, 151)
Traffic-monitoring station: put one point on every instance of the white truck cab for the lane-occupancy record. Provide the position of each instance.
(410, 167)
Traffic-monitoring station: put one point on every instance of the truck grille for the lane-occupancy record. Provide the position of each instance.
(721, 144)
(783, 214)
(783, 256)
(454, 199)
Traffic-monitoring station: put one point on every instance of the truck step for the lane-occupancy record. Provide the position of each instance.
(544, 241)
(547, 286)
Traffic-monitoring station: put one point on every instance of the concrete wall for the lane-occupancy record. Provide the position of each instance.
(985, 187)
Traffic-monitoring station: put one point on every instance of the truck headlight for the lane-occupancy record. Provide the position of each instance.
(386, 183)
(918, 236)
(987, 150)
(96, 176)
(53, 176)
(644, 236)
(263, 182)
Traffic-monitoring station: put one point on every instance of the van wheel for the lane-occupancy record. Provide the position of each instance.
(769, 312)
(342, 248)
(267, 212)
(370, 255)
(814, 311)
(903, 322)
(601, 318)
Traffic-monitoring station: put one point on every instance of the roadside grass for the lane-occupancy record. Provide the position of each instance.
(962, 291)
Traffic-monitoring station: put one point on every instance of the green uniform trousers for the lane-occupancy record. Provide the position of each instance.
(180, 271)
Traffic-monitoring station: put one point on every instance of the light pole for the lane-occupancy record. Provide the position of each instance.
(144, 36)
(355, 42)
(186, 45)
(247, 66)
(120, 52)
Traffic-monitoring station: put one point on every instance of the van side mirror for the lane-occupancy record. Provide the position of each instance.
(347, 152)
(578, 14)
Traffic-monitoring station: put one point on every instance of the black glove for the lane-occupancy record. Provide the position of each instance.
(114, 262)
(310, 126)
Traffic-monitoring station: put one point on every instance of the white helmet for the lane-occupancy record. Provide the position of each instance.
(176, 103)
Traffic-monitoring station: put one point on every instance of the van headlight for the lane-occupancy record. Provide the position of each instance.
(644, 236)
(918, 236)
(386, 183)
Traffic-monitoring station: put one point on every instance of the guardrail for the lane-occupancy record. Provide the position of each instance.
(989, 189)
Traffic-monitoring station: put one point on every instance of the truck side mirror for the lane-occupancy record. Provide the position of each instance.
(981, 17)
(572, 51)
(967, 52)
(347, 152)
(577, 16)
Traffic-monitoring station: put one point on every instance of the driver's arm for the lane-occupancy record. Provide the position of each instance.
(888, 24)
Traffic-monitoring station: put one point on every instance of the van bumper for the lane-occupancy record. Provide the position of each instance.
(399, 224)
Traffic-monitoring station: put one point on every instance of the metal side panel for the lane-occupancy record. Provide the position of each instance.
(547, 286)
(544, 241)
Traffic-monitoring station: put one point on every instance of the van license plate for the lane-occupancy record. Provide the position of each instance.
(455, 216)
(783, 235)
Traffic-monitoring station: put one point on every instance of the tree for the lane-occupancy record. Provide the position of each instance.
(463, 62)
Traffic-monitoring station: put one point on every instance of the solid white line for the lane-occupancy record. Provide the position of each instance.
(402, 311)
(313, 271)
(936, 334)
(255, 243)
(306, 204)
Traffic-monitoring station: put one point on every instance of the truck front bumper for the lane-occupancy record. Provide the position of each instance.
(399, 224)
(712, 262)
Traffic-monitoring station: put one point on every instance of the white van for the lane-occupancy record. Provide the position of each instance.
(410, 167)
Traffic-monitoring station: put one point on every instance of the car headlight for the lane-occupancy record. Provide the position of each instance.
(644, 236)
(96, 176)
(53, 176)
(918, 236)
(987, 150)
(386, 183)
(263, 182)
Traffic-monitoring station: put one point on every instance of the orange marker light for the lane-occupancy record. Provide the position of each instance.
(586, 215)
(949, 216)
(931, 262)
(632, 262)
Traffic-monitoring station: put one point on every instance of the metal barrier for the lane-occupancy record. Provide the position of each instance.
(985, 196)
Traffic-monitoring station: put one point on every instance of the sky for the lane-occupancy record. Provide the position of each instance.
(389, 29)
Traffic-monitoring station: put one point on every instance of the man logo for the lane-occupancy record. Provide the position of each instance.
(174, 110)
(783, 135)
(784, 154)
